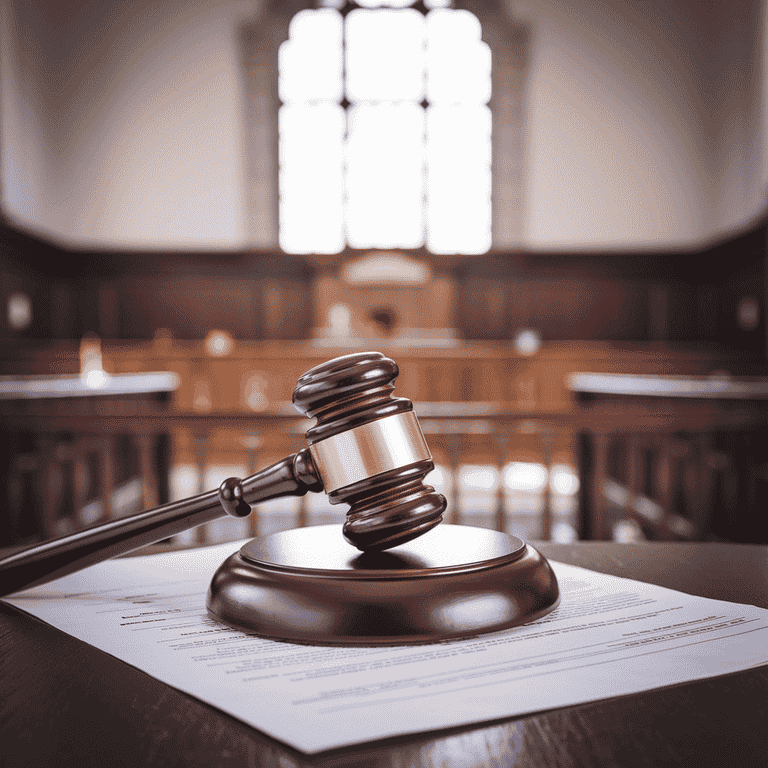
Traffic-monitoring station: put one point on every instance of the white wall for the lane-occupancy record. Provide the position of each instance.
(26, 158)
(643, 127)
(122, 122)
(736, 88)
(125, 126)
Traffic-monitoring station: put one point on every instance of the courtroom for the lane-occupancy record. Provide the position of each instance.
(383, 383)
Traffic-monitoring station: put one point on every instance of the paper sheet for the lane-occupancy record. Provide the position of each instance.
(609, 636)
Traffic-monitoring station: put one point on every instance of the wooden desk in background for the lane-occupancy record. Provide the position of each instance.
(65, 703)
(681, 457)
(71, 445)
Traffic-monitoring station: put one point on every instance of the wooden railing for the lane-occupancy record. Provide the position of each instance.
(692, 471)
(75, 449)
(72, 443)
(677, 457)
(678, 467)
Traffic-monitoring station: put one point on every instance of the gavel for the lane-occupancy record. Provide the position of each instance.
(366, 449)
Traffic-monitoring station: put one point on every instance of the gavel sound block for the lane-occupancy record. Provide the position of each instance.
(377, 578)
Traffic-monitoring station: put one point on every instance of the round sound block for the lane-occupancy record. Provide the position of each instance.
(309, 585)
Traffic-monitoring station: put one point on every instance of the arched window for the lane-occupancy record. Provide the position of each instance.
(385, 129)
(343, 98)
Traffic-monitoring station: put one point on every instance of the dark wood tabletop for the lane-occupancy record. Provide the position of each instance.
(64, 703)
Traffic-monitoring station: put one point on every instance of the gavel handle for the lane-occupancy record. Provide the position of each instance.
(293, 476)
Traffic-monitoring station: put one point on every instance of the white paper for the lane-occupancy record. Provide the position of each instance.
(609, 636)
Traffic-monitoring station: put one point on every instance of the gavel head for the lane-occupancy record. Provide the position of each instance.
(369, 450)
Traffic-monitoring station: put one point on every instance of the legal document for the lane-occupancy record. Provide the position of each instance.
(609, 637)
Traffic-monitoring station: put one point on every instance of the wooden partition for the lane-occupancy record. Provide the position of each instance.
(467, 371)
(78, 451)
(254, 376)
(672, 457)
(482, 406)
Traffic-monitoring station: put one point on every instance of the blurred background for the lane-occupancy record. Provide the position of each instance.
(496, 194)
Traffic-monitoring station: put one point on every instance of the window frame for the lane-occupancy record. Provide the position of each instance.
(509, 42)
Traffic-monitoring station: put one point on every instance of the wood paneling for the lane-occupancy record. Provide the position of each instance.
(188, 306)
(687, 297)
(20, 257)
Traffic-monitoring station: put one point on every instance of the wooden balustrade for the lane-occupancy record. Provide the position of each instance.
(480, 404)
(678, 457)
(75, 453)
(679, 473)
(161, 440)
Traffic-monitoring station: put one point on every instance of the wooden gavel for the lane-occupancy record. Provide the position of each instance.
(366, 450)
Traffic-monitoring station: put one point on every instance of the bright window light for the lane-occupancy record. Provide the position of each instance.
(311, 178)
(563, 533)
(385, 55)
(316, 37)
(563, 480)
(385, 177)
(440, 479)
(458, 62)
(437, 3)
(525, 476)
(478, 477)
(406, 160)
(389, 3)
(459, 183)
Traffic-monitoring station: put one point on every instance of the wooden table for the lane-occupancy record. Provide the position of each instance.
(65, 703)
